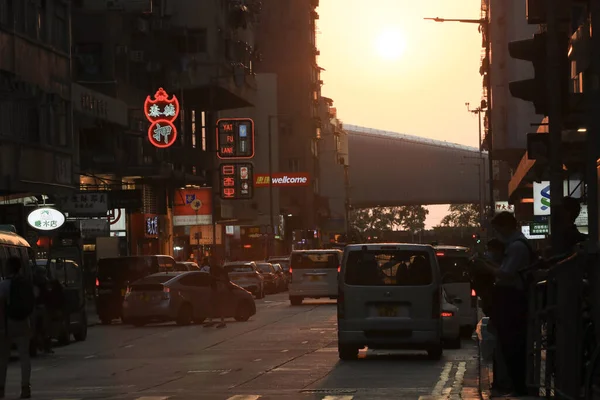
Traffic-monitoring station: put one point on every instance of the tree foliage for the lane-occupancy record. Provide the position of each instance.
(462, 215)
(374, 221)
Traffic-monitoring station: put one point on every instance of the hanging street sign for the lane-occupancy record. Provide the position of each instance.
(236, 181)
(162, 112)
(235, 138)
(45, 219)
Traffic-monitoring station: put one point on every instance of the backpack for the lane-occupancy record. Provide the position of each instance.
(21, 299)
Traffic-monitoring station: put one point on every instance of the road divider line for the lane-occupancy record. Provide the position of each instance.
(459, 378)
(284, 351)
(244, 397)
(153, 398)
(257, 360)
(305, 342)
(444, 377)
(338, 397)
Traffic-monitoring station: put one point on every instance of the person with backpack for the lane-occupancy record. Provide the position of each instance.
(509, 298)
(17, 304)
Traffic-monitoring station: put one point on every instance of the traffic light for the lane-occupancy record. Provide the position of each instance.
(535, 90)
(477, 238)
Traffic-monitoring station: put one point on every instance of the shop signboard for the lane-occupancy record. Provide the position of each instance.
(94, 228)
(45, 219)
(541, 195)
(162, 112)
(236, 181)
(85, 204)
(192, 207)
(288, 179)
(117, 219)
(235, 138)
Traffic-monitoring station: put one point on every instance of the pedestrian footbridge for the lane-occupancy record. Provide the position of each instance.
(394, 169)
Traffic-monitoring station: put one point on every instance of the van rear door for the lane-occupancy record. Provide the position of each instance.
(317, 269)
(391, 288)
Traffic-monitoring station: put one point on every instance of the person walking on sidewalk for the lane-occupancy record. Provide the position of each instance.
(17, 303)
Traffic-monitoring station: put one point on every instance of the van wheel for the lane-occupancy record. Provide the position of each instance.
(295, 300)
(435, 352)
(64, 336)
(243, 312)
(185, 315)
(347, 352)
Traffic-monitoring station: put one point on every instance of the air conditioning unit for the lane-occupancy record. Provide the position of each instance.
(136, 56)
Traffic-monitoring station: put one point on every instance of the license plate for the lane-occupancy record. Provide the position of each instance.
(314, 278)
(387, 311)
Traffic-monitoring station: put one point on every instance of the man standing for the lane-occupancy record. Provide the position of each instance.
(219, 284)
(509, 310)
(17, 303)
(571, 235)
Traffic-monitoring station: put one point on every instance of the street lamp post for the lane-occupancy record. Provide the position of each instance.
(484, 27)
(478, 111)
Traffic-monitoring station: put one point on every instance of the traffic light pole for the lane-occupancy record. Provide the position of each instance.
(553, 79)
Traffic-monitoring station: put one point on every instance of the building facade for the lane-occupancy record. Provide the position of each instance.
(287, 33)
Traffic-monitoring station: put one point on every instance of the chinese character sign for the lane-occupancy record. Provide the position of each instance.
(162, 112)
(236, 181)
(235, 138)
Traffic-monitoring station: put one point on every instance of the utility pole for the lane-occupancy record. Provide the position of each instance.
(271, 234)
(555, 123)
(484, 26)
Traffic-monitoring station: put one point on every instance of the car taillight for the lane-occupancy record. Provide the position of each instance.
(97, 282)
(291, 275)
(447, 314)
(166, 293)
(339, 268)
(435, 304)
(473, 293)
(473, 298)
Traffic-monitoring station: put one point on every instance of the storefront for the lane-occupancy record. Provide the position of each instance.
(192, 223)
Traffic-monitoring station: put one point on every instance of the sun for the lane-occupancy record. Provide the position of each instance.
(390, 44)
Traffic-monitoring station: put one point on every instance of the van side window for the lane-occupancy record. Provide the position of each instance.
(387, 268)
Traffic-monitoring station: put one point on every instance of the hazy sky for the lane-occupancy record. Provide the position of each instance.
(387, 68)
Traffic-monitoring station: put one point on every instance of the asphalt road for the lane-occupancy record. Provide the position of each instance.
(283, 352)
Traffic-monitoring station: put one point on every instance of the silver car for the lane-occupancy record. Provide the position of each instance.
(246, 275)
(183, 297)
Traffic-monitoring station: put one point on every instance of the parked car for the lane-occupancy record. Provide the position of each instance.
(271, 278)
(285, 264)
(183, 297)
(246, 275)
(283, 279)
(116, 273)
(185, 266)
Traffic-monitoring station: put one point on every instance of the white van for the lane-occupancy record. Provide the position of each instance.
(314, 274)
(454, 268)
(390, 297)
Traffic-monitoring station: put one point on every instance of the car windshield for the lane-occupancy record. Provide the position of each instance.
(265, 268)
(316, 260)
(384, 267)
(155, 279)
(238, 268)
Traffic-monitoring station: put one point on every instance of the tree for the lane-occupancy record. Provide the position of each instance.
(375, 221)
(462, 215)
(413, 218)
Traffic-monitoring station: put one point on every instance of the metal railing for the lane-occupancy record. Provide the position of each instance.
(556, 363)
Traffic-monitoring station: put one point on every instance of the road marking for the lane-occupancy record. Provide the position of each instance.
(225, 372)
(459, 377)
(338, 397)
(444, 377)
(209, 371)
(306, 341)
(284, 351)
(258, 359)
(244, 397)
(128, 346)
(92, 356)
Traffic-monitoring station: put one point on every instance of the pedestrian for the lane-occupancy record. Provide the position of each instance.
(219, 286)
(17, 304)
(509, 299)
(42, 321)
(205, 265)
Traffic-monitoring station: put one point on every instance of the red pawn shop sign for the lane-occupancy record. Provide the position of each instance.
(162, 112)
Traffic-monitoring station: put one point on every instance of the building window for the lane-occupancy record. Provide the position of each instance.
(294, 165)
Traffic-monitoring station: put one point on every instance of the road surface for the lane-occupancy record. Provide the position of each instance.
(282, 353)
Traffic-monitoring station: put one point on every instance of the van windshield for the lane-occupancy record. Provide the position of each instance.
(315, 261)
(388, 268)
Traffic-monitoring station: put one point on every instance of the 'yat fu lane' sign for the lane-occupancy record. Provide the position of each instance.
(162, 112)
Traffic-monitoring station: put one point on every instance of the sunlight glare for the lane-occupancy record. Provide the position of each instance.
(390, 44)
